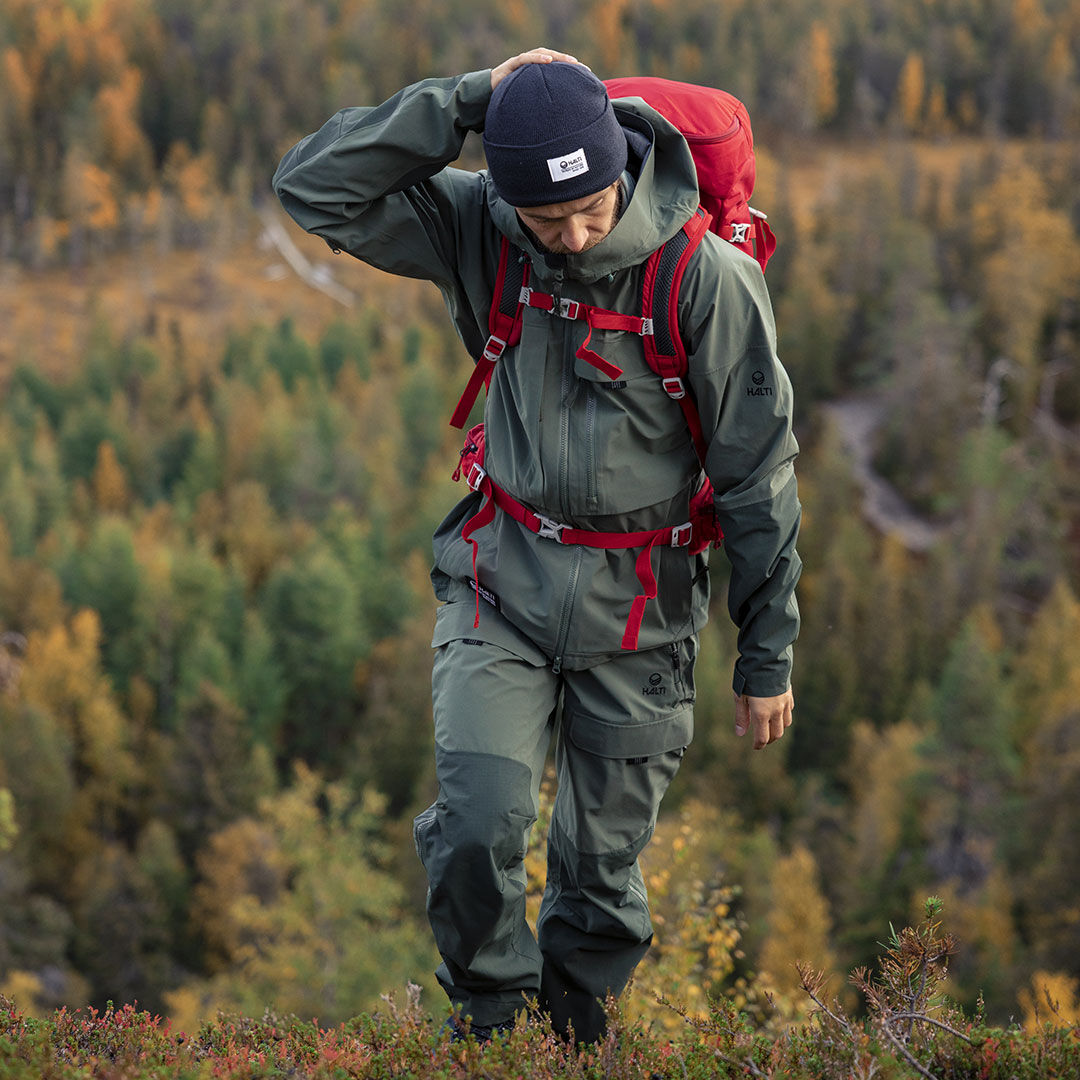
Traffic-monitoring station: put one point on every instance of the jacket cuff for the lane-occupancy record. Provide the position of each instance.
(474, 93)
(768, 682)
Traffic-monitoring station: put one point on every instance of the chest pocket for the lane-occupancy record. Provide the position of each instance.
(635, 447)
(635, 401)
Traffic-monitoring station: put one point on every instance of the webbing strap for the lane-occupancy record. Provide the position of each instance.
(664, 349)
(596, 318)
(646, 539)
(504, 325)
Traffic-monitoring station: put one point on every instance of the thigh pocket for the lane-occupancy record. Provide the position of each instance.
(629, 742)
(618, 773)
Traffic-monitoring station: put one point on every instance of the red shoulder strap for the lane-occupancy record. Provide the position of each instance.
(504, 325)
(664, 348)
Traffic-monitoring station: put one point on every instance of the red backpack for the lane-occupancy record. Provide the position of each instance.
(717, 129)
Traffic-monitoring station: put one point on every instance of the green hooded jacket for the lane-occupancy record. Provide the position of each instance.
(560, 436)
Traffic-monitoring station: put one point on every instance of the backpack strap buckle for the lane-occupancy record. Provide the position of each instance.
(681, 535)
(570, 309)
(475, 476)
(549, 530)
(674, 387)
(493, 348)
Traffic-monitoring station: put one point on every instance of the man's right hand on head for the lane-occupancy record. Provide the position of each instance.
(533, 56)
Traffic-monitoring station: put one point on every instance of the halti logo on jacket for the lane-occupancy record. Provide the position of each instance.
(654, 687)
(567, 166)
(758, 389)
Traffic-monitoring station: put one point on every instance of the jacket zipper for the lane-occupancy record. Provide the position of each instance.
(577, 553)
(722, 137)
(564, 438)
(590, 448)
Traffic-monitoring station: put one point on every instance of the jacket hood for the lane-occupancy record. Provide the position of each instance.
(665, 197)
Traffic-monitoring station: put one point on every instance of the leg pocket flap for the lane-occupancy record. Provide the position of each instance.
(612, 740)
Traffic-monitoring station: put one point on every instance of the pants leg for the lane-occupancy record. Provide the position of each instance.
(626, 725)
(494, 710)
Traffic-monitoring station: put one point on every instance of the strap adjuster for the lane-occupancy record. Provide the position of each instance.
(493, 348)
(681, 535)
(646, 328)
(674, 387)
(569, 309)
(475, 476)
(549, 530)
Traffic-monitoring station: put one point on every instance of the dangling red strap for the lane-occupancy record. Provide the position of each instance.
(612, 371)
(643, 566)
(764, 240)
(484, 516)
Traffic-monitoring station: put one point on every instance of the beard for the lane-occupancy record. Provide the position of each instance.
(559, 248)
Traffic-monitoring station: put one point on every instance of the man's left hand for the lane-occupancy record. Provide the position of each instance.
(770, 717)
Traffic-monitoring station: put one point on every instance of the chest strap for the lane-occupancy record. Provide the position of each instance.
(594, 317)
(505, 320)
(494, 496)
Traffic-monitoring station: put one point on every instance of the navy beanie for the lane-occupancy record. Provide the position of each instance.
(551, 135)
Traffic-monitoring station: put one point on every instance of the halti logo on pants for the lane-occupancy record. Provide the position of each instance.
(567, 166)
(654, 687)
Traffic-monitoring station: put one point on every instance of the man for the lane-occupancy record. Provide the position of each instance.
(586, 191)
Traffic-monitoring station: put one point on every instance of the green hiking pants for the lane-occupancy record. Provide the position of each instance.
(622, 728)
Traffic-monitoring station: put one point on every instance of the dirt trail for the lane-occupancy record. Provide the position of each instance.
(857, 420)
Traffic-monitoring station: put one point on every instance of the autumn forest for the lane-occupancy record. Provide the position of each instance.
(223, 451)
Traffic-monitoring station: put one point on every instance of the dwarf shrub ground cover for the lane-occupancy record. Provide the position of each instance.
(908, 1029)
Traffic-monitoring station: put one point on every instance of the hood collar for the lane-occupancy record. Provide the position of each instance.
(665, 197)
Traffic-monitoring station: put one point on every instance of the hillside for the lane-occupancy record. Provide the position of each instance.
(221, 465)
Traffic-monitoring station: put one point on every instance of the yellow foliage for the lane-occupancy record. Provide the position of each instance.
(1028, 18)
(250, 530)
(89, 196)
(299, 911)
(9, 827)
(937, 113)
(696, 932)
(18, 95)
(117, 108)
(823, 66)
(191, 177)
(981, 919)
(1053, 1000)
(241, 863)
(109, 481)
(911, 92)
(1049, 667)
(62, 675)
(26, 990)
(1031, 263)
(799, 926)
(881, 766)
(606, 20)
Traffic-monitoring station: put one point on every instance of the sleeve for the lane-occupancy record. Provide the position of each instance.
(745, 400)
(375, 183)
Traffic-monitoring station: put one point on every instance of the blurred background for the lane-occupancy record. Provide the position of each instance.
(223, 452)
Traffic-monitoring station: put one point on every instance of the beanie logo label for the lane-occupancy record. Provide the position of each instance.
(567, 166)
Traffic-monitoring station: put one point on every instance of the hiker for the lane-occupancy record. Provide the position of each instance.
(547, 626)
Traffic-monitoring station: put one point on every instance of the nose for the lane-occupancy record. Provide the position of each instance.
(575, 233)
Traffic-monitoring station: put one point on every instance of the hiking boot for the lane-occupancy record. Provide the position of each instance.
(460, 1030)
